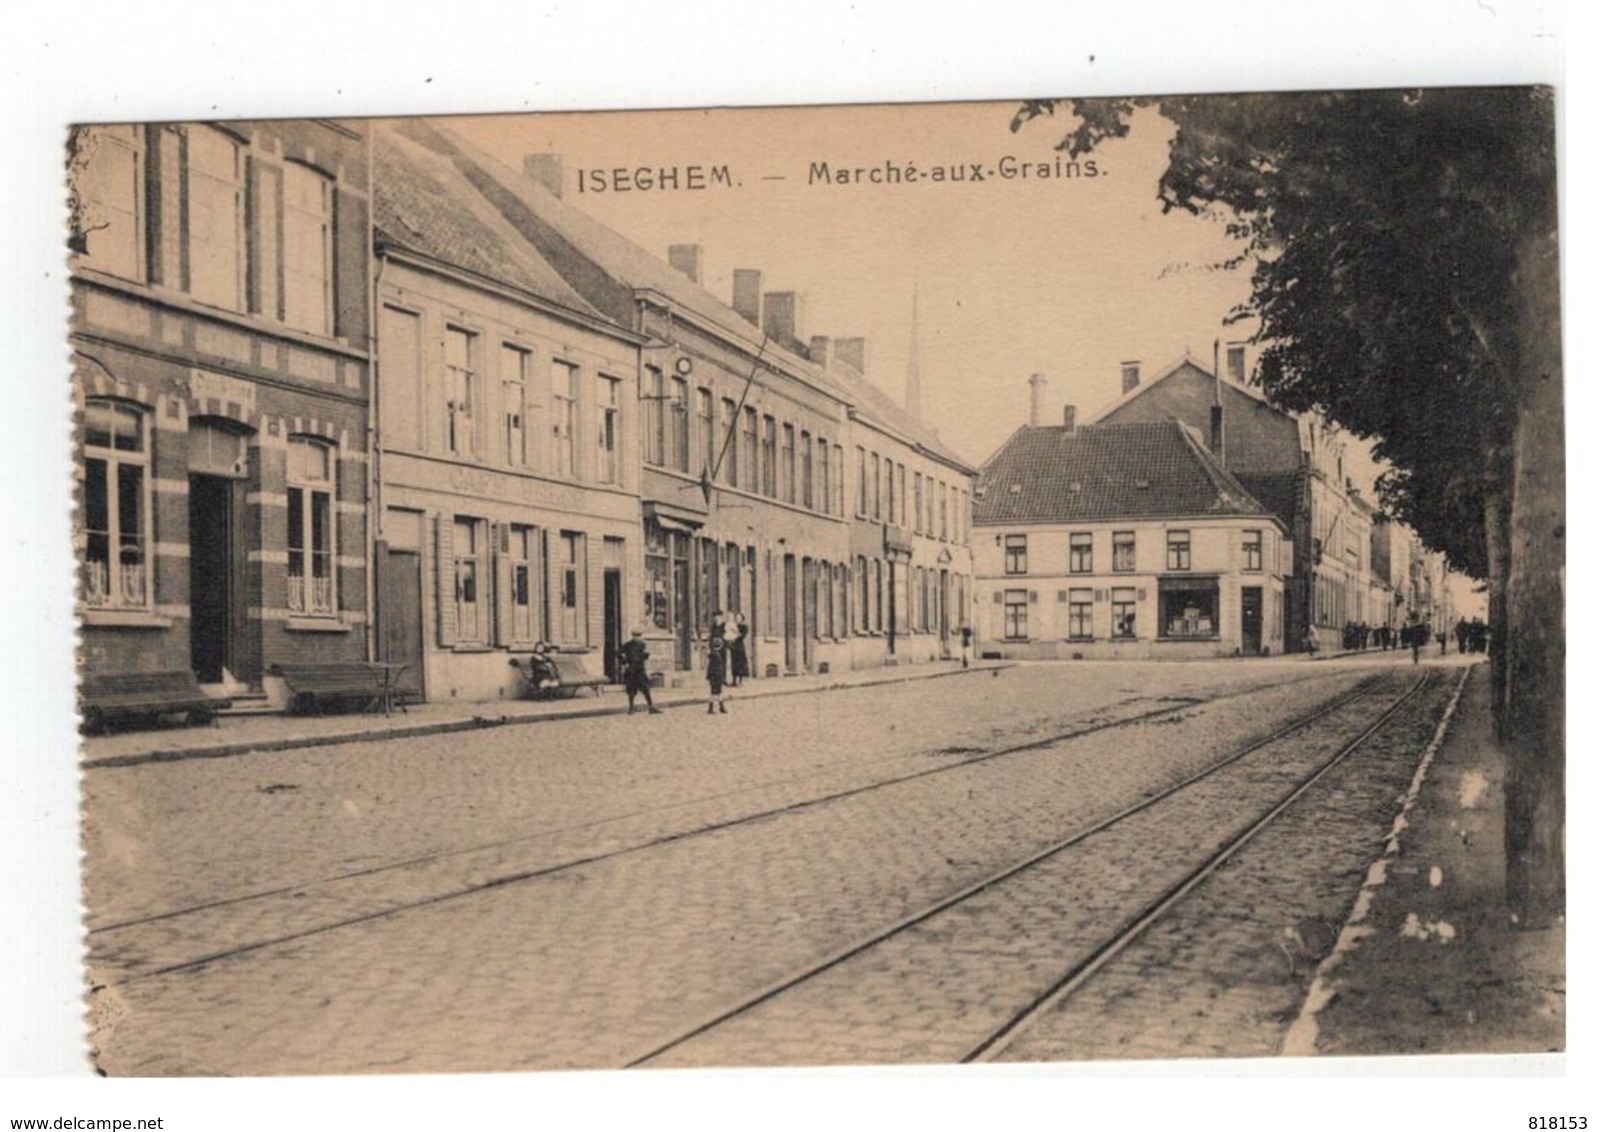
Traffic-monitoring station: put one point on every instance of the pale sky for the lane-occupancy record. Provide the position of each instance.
(1065, 277)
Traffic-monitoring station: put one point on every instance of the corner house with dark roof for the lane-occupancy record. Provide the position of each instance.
(1120, 541)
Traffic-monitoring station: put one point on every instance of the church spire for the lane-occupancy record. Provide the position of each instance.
(912, 391)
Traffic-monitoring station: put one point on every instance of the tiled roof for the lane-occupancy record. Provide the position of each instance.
(607, 269)
(1277, 491)
(424, 205)
(1131, 471)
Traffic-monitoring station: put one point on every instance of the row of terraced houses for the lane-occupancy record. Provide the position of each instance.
(351, 391)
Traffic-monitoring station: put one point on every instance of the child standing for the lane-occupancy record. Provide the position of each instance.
(715, 671)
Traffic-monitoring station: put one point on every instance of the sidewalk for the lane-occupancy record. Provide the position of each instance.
(237, 735)
(1430, 961)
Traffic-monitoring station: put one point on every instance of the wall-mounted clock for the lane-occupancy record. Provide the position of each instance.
(684, 365)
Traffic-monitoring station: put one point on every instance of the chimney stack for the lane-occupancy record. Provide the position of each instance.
(688, 259)
(548, 169)
(1037, 381)
(1130, 375)
(1217, 433)
(782, 316)
(746, 293)
(851, 352)
(1070, 418)
(820, 350)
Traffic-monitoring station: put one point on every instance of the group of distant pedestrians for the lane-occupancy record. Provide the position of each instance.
(1470, 636)
(726, 663)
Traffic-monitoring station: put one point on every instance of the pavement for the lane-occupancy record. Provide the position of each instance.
(1431, 960)
(243, 734)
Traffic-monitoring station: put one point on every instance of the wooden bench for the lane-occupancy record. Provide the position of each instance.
(144, 695)
(312, 686)
(574, 672)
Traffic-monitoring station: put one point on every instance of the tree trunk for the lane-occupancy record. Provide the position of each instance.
(1498, 515)
(1533, 705)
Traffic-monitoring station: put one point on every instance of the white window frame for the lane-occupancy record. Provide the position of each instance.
(469, 544)
(129, 584)
(515, 364)
(608, 420)
(112, 199)
(311, 593)
(206, 188)
(565, 394)
(460, 392)
(307, 242)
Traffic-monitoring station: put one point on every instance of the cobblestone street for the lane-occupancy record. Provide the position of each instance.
(578, 893)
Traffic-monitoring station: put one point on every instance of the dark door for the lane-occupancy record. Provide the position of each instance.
(216, 615)
(810, 627)
(399, 613)
(612, 625)
(1252, 620)
(790, 614)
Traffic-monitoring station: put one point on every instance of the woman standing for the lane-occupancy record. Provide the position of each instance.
(740, 652)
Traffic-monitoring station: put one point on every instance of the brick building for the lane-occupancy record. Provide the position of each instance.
(1122, 541)
(220, 336)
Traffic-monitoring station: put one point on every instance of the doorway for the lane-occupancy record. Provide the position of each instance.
(790, 614)
(218, 619)
(612, 625)
(1252, 620)
(400, 618)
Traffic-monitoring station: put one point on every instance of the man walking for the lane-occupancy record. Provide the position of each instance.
(635, 672)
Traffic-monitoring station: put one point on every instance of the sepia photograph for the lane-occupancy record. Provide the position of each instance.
(960, 584)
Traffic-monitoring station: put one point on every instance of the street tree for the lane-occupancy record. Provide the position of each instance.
(1404, 259)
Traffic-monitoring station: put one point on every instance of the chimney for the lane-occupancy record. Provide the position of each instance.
(1037, 381)
(746, 293)
(1217, 433)
(820, 350)
(548, 169)
(1130, 375)
(1070, 418)
(688, 259)
(782, 316)
(850, 351)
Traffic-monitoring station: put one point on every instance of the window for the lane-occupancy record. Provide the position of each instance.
(116, 486)
(862, 607)
(903, 503)
(215, 198)
(460, 389)
(825, 451)
(1253, 551)
(311, 543)
(1125, 552)
(942, 510)
(468, 580)
(1081, 614)
(520, 575)
(1014, 554)
(1189, 607)
(654, 418)
(768, 458)
(706, 430)
(733, 590)
(1236, 359)
(307, 249)
(1123, 611)
(729, 441)
(399, 342)
(565, 392)
(679, 425)
(109, 184)
(1178, 550)
(918, 526)
(839, 495)
(876, 486)
(709, 582)
(751, 449)
(513, 368)
(789, 480)
(657, 575)
(1015, 615)
(573, 588)
(863, 507)
(807, 470)
(892, 495)
(1081, 553)
(609, 422)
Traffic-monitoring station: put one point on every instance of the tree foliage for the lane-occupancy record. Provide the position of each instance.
(1382, 227)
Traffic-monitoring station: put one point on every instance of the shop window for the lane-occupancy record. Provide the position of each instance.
(116, 507)
(1189, 608)
(312, 541)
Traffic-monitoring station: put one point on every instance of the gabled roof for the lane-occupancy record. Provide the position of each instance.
(423, 205)
(609, 271)
(1187, 359)
(1133, 471)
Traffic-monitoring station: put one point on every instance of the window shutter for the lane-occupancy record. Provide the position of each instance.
(444, 561)
(998, 597)
(1100, 595)
(1063, 596)
(1031, 597)
(504, 622)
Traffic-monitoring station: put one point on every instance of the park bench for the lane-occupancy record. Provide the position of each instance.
(314, 686)
(574, 671)
(144, 695)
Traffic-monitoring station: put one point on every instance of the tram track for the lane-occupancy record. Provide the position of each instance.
(999, 1037)
(101, 935)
